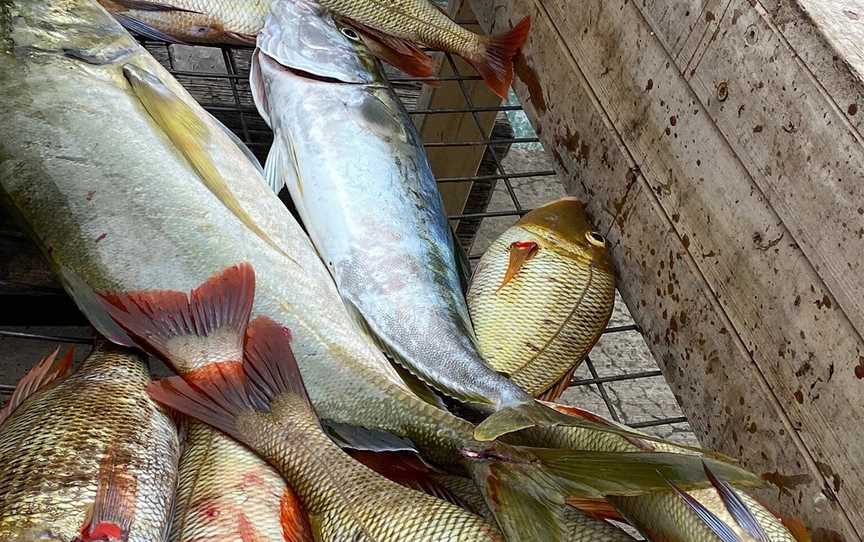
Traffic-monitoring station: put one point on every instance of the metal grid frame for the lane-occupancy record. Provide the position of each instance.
(237, 111)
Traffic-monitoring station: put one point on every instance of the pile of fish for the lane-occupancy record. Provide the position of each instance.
(333, 384)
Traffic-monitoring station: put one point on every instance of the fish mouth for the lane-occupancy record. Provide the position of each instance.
(303, 74)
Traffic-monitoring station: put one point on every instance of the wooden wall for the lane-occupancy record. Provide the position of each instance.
(718, 142)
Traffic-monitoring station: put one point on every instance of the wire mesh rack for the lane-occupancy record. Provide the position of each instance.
(514, 175)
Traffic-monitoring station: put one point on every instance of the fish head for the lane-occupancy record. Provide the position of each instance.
(303, 37)
(563, 227)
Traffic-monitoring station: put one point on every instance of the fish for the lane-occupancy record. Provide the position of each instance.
(402, 24)
(365, 191)
(261, 402)
(231, 22)
(540, 297)
(697, 515)
(223, 489)
(87, 451)
(173, 215)
(410, 471)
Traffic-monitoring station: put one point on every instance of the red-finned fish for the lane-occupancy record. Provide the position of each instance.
(87, 455)
(401, 24)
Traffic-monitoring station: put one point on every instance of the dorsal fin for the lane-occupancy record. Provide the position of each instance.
(596, 418)
(44, 373)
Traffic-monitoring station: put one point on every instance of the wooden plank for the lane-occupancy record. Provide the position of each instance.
(455, 127)
(747, 331)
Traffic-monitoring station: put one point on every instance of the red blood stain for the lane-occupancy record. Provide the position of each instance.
(89, 195)
(211, 511)
(859, 369)
(103, 236)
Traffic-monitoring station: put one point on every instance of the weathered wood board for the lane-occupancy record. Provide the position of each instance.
(718, 144)
(456, 127)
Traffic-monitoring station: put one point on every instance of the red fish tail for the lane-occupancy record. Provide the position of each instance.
(207, 326)
(113, 511)
(496, 65)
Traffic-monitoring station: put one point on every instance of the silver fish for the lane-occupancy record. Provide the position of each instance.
(358, 175)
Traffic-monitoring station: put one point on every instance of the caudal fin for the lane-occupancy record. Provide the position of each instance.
(225, 391)
(526, 487)
(496, 65)
(190, 331)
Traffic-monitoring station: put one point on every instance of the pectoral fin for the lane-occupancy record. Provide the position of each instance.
(520, 253)
(192, 137)
(44, 373)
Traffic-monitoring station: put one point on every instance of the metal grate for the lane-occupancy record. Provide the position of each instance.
(218, 78)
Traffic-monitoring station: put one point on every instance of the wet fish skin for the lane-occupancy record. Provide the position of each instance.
(195, 21)
(52, 445)
(420, 21)
(363, 187)
(540, 324)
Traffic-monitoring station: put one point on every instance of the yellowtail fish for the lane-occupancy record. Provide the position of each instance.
(230, 22)
(675, 515)
(541, 296)
(400, 24)
(87, 455)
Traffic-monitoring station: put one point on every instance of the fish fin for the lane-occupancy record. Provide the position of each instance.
(114, 507)
(419, 388)
(548, 476)
(407, 469)
(230, 389)
(536, 414)
(186, 129)
(557, 389)
(737, 508)
(717, 526)
(257, 87)
(520, 253)
(524, 502)
(48, 370)
(570, 410)
(245, 39)
(293, 518)
(396, 51)
(177, 327)
(241, 145)
(600, 509)
(496, 66)
(281, 167)
(143, 29)
(145, 5)
(364, 439)
(270, 363)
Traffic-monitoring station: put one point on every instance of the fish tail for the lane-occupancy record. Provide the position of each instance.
(191, 331)
(222, 393)
(496, 64)
(527, 488)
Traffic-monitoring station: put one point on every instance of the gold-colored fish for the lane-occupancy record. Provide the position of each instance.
(69, 439)
(234, 22)
(541, 296)
(401, 24)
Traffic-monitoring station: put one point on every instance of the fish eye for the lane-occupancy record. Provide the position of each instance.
(595, 239)
(350, 33)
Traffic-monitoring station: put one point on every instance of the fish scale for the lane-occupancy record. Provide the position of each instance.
(52, 445)
(544, 321)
